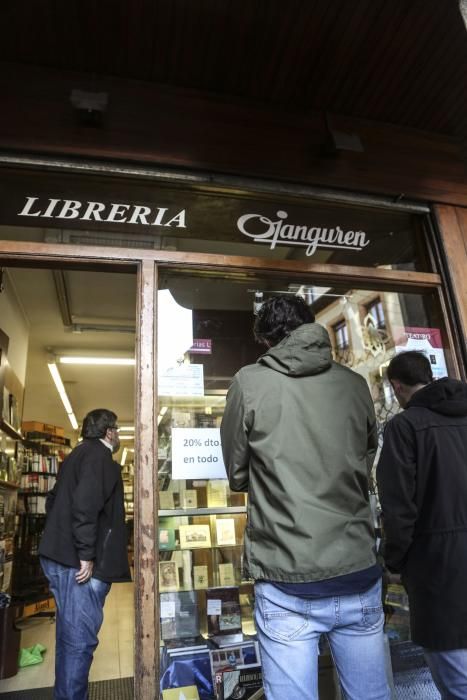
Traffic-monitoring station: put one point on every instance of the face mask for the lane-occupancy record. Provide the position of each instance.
(115, 443)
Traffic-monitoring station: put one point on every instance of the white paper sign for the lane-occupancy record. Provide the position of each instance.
(167, 608)
(174, 330)
(197, 453)
(214, 607)
(427, 340)
(183, 380)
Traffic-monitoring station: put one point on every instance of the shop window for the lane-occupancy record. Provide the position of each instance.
(341, 335)
(376, 310)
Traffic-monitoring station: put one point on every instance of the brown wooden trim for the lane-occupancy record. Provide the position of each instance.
(452, 224)
(146, 678)
(19, 252)
(457, 367)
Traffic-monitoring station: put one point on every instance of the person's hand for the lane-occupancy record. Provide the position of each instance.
(85, 571)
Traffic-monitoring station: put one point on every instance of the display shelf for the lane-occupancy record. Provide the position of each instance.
(187, 512)
(9, 430)
(35, 471)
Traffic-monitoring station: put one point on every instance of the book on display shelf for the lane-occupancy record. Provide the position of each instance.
(166, 538)
(190, 498)
(187, 692)
(179, 617)
(225, 531)
(224, 615)
(242, 683)
(200, 577)
(168, 576)
(194, 536)
(186, 645)
(233, 657)
(226, 574)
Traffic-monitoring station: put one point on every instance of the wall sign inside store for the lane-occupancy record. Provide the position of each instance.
(313, 237)
(110, 212)
(197, 454)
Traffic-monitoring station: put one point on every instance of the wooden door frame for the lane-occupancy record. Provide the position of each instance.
(146, 263)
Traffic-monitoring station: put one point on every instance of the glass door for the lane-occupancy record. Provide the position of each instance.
(205, 335)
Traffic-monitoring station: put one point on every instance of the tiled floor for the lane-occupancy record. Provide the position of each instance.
(113, 657)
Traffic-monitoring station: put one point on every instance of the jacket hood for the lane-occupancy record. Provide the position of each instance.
(445, 396)
(307, 350)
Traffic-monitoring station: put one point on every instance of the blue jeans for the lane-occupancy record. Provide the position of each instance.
(289, 628)
(449, 671)
(80, 612)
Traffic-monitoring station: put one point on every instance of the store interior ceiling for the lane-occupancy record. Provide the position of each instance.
(99, 304)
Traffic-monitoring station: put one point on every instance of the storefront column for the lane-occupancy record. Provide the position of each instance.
(452, 223)
(146, 582)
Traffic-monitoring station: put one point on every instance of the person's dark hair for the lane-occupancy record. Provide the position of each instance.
(97, 422)
(410, 368)
(279, 316)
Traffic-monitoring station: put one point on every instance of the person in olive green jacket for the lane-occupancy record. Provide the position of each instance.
(299, 435)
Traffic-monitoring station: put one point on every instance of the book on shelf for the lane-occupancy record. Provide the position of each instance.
(244, 683)
(224, 615)
(190, 498)
(186, 692)
(185, 645)
(179, 615)
(166, 538)
(168, 576)
(233, 657)
(166, 500)
(225, 531)
(200, 577)
(217, 493)
(194, 536)
(226, 574)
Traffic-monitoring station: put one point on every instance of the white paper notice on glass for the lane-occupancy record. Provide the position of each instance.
(167, 608)
(183, 380)
(214, 606)
(197, 454)
(174, 330)
(427, 340)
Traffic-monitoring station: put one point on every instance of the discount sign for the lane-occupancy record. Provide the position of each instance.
(197, 454)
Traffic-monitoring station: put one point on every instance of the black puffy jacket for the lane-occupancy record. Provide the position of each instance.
(85, 514)
(422, 483)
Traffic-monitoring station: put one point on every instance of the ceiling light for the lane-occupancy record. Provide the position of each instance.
(124, 454)
(63, 395)
(126, 437)
(97, 360)
(126, 429)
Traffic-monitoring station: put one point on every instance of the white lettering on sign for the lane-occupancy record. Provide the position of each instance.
(99, 211)
(314, 237)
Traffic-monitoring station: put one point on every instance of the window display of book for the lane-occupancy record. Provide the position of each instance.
(224, 615)
(179, 616)
(241, 684)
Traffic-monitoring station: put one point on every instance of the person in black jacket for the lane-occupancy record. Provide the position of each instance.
(422, 483)
(84, 548)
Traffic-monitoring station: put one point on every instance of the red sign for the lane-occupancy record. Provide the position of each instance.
(201, 346)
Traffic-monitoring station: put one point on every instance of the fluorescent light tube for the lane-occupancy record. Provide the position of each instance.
(124, 454)
(62, 393)
(65, 360)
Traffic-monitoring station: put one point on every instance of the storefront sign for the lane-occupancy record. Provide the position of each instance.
(110, 212)
(201, 346)
(197, 454)
(279, 233)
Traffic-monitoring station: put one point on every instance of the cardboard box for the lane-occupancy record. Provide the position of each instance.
(34, 426)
